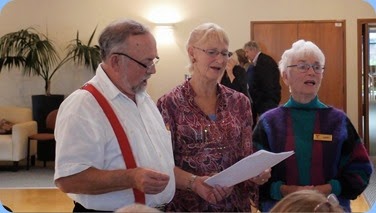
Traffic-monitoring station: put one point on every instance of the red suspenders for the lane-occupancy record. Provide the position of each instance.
(120, 135)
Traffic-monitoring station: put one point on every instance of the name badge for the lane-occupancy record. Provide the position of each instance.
(322, 137)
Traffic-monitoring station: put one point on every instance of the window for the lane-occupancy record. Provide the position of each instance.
(372, 48)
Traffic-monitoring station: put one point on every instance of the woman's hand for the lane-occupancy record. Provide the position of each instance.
(288, 189)
(230, 65)
(210, 194)
(263, 177)
(326, 189)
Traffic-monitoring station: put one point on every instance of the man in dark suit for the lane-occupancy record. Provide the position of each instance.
(263, 80)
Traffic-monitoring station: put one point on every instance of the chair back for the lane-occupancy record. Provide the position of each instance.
(51, 119)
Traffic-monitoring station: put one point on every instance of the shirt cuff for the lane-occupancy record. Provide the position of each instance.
(275, 190)
(336, 187)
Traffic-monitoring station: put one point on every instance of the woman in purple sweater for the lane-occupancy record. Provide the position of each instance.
(329, 154)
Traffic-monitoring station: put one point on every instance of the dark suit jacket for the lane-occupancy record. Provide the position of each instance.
(263, 82)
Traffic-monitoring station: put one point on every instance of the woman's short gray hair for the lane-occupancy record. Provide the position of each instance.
(300, 48)
(202, 34)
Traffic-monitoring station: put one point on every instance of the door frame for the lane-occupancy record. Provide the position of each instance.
(363, 100)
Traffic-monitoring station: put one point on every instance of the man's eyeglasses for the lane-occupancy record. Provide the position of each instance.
(304, 67)
(147, 67)
(331, 202)
(214, 52)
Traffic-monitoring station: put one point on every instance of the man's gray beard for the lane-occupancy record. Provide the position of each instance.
(139, 89)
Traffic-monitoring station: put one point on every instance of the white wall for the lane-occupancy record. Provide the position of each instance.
(62, 18)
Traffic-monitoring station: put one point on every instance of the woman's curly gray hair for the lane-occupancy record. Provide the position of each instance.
(300, 48)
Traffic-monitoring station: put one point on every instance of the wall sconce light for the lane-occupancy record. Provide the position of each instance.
(164, 17)
(164, 34)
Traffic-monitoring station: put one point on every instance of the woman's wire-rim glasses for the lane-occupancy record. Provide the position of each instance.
(214, 52)
(331, 202)
(147, 67)
(304, 67)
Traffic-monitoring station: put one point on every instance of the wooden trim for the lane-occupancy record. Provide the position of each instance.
(362, 129)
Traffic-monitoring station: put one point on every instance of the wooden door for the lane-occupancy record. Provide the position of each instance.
(275, 37)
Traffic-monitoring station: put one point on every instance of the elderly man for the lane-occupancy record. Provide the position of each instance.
(113, 148)
(263, 80)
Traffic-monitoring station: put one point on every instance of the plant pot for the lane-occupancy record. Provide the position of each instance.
(41, 106)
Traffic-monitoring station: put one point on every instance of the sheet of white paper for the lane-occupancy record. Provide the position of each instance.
(247, 168)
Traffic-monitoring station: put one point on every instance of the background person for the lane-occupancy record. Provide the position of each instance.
(137, 207)
(242, 58)
(329, 154)
(235, 76)
(211, 128)
(263, 80)
(307, 201)
(89, 163)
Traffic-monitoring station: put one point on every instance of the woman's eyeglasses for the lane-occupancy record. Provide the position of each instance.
(214, 52)
(331, 202)
(304, 67)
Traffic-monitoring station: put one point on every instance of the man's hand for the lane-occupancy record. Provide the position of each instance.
(149, 181)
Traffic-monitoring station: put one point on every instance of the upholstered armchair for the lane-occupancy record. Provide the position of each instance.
(13, 146)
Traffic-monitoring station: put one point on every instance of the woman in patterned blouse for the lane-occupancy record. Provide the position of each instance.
(211, 127)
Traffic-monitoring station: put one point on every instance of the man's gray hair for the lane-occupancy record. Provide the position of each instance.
(114, 35)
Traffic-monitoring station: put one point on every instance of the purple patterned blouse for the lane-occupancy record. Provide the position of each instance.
(205, 146)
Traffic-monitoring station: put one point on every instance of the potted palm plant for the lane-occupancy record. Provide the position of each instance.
(35, 54)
